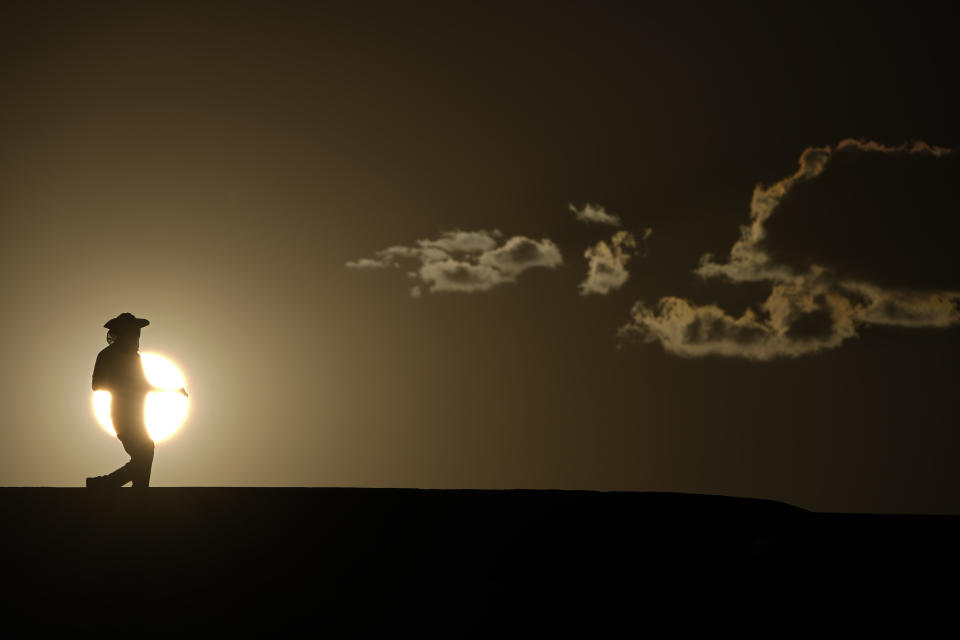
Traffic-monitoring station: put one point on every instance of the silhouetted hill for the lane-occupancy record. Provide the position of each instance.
(446, 563)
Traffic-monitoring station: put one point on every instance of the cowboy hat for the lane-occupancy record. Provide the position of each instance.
(126, 320)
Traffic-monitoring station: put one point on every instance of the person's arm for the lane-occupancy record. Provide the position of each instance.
(146, 386)
(152, 387)
(100, 378)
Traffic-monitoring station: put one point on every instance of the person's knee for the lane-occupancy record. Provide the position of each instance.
(139, 447)
(145, 450)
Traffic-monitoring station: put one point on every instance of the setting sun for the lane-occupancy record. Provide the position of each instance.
(164, 411)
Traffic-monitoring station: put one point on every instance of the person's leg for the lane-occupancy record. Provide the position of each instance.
(121, 476)
(136, 442)
(142, 462)
(140, 447)
(117, 478)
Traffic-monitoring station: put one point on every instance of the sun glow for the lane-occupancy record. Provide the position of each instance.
(164, 411)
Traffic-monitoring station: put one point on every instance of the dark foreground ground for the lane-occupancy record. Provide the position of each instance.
(353, 562)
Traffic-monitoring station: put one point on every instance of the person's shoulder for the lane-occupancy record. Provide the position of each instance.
(107, 353)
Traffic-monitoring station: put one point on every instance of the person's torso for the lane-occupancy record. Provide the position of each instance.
(120, 371)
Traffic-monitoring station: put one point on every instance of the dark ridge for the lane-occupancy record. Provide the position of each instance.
(444, 563)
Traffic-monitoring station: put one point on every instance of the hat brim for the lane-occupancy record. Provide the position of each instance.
(119, 323)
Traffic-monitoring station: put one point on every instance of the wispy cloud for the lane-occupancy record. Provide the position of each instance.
(466, 261)
(749, 259)
(805, 312)
(607, 263)
(594, 213)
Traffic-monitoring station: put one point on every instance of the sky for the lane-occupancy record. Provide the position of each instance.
(612, 246)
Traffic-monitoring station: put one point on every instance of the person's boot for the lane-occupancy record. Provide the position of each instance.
(103, 482)
(116, 478)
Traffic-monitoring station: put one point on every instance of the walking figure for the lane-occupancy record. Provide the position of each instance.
(120, 371)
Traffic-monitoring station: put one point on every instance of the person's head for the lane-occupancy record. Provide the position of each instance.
(124, 330)
(129, 336)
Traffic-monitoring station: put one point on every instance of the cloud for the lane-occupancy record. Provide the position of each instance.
(910, 309)
(366, 263)
(595, 213)
(389, 257)
(607, 263)
(803, 316)
(806, 311)
(455, 275)
(799, 317)
(466, 261)
(463, 241)
(519, 254)
(749, 259)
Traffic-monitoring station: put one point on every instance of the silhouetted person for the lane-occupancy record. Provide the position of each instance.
(120, 371)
